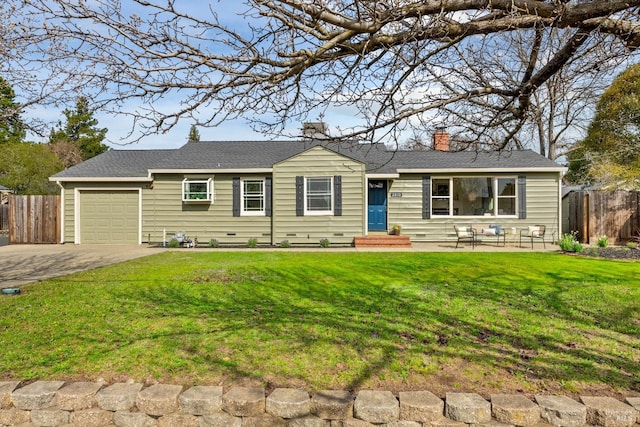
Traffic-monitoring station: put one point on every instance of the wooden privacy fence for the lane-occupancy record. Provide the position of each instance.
(614, 214)
(34, 219)
(4, 217)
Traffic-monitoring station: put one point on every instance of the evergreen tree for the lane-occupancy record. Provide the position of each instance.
(12, 129)
(81, 129)
(609, 156)
(194, 135)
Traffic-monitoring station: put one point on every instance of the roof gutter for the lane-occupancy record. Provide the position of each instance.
(484, 170)
(101, 179)
(383, 175)
(195, 171)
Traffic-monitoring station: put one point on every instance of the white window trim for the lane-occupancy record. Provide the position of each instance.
(494, 183)
(449, 197)
(209, 183)
(244, 212)
(498, 197)
(307, 212)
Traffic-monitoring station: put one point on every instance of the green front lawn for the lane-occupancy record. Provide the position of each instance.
(439, 321)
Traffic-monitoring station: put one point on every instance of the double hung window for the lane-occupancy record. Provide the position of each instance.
(253, 201)
(506, 194)
(318, 195)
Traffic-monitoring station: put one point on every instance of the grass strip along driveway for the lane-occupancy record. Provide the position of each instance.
(483, 322)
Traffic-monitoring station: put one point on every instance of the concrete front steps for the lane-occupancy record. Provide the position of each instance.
(382, 241)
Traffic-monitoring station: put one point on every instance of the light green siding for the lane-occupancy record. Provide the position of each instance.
(67, 215)
(542, 208)
(406, 210)
(318, 162)
(163, 210)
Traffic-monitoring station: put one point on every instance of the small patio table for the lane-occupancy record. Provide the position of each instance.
(510, 235)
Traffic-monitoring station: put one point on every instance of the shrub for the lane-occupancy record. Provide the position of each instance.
(252, 243)
(174, 243)
(603, 241)
(285, 244)
(214, 243)
(325, 243)
(568, 243)
(632, 245)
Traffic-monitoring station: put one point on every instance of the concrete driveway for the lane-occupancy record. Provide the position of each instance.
(22, 264)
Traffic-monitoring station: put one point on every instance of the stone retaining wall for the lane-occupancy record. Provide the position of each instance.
(88, 404)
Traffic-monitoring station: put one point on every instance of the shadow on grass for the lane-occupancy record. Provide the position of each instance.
(338, 321)
(326, 328)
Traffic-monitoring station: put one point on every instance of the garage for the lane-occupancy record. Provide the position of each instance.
(109, 216)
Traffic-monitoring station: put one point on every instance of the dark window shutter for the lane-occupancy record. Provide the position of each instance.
(236, 196)
(522, 197)
(426, 197)
(267, 196)
(299, 196)
(337, 195)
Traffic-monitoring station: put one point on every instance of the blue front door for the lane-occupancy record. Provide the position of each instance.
(377, 205)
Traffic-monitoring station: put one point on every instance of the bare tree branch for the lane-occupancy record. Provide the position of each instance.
(399, 64)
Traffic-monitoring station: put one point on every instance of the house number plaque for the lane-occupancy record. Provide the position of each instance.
(397, 194)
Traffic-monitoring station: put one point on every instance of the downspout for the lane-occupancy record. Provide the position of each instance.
(559, 207)
(366, 206)
(61, 212)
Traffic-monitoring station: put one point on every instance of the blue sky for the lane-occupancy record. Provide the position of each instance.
(119, 126)
(233, 130)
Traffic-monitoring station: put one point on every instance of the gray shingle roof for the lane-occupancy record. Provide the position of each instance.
(231, 155)
(471, 160)
(117, 164)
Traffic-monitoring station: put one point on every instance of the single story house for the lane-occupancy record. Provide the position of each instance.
(302, 192)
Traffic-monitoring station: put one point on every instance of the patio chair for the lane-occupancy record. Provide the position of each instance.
(534, 232)
(465, 233)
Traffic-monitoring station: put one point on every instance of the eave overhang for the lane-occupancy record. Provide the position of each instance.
(101, 179)
(483, 170)
(211, 171)
(383, 175)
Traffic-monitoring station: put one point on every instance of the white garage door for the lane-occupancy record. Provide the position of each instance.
(109, 216)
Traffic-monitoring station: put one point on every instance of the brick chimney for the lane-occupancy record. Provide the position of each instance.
(441, 140)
